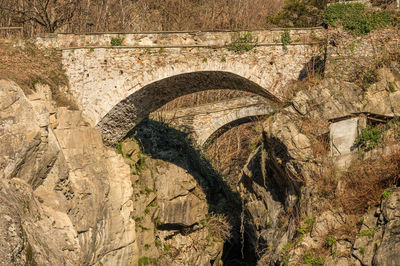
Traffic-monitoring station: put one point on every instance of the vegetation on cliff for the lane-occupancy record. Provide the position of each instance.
(29, 66)
(356, 18)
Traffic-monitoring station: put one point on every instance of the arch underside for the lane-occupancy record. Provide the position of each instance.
(220, 131)
(132, 110)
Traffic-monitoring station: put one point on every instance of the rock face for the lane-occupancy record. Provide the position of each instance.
(178, 206)
(72, 195)
(286, 182)
(379, 237)
(170, 209)
(31, 234)
(387, 252)
(66, 199)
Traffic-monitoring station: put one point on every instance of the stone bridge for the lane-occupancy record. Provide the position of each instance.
(207, 121)
(116, 87)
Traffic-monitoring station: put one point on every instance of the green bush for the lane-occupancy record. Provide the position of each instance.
(310, 260)
(310, 221)
(368, 232)
(118, 41)
(355, 18)
(242, 42)
(302, 231)
(285, 38)
(330, 241)
(386, 193)
(370, 137)
(362, 250)
(391, 87)
(147, 261)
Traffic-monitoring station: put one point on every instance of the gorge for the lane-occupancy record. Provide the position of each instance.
(112, 169)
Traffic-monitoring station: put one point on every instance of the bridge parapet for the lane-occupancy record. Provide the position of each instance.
(118, 86)
(178, 39)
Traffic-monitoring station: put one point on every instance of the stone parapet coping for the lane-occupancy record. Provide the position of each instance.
(185, 46)
(213, 39)
(176, 32)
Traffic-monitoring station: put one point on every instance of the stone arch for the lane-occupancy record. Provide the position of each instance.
(224, 128)
(129, 112)
(220, 129)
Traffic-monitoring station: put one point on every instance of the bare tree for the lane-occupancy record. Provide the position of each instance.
(50, 14)
(135, 15)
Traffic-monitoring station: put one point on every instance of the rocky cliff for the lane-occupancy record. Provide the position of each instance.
(66, 199)
(308, 203)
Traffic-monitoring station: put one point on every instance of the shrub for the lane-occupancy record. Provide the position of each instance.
(391, 87)
(386, 194)
(242, 42)
(285, 38)
(369, 138)
(146, 261)
(157, 222)
(370, 77)
(117, 41)
(330, 241)
(355, 18)
(362, 250)
(310, 260)
(366, 180)
(365, 76)
(218, 226)
(302, 231)
(167, 247)
(368, 232)
(119, 148)
(299, 13)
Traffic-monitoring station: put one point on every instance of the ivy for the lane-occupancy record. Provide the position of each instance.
(285, 38)
(242, 42)
(355, 18)
(117, 41)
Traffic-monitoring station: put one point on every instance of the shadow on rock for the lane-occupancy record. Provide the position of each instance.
(168, 144)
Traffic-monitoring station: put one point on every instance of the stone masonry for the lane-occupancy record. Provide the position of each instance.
(201, 122)
(116, 87)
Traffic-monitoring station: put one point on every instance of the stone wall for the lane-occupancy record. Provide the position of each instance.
(116, 87)
(170, 39)
(201, 122)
